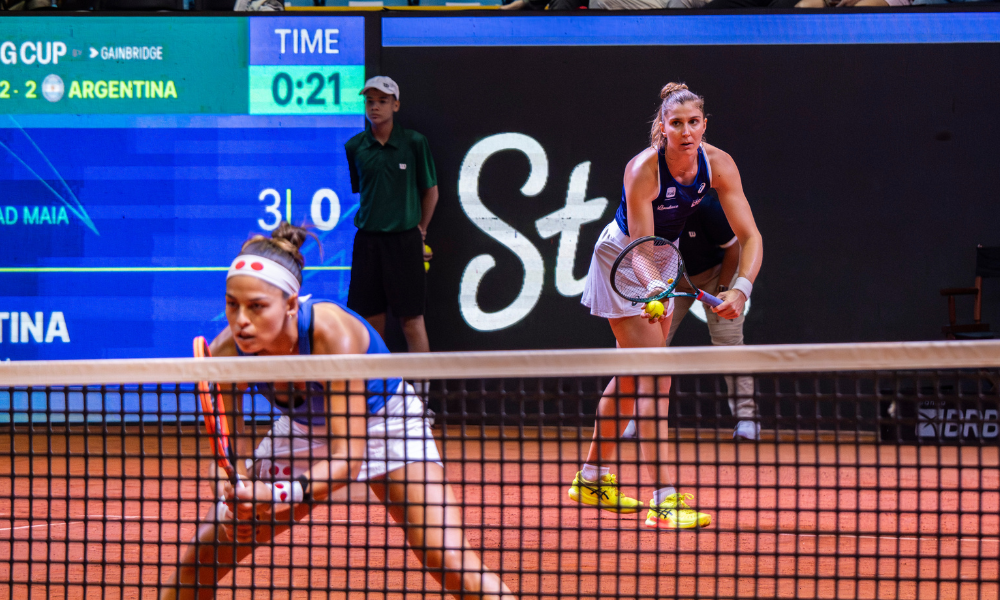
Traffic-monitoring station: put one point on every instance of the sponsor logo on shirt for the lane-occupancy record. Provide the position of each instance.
(701, 188)
(402, 166)
(671, 192)
(692, 233)
(665, 207)
(696, 202)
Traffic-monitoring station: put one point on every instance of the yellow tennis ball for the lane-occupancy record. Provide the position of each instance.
(427, 266)
(427, 249)
(654, 309)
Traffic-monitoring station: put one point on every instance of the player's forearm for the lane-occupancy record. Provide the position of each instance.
(751, 256)
(428, 202)
(730, 262)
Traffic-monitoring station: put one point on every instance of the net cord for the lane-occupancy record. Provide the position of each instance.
(523, 363)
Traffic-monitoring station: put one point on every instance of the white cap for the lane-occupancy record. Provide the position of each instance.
(382, 84)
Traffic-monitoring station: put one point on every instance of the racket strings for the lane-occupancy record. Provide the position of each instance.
(647, 270)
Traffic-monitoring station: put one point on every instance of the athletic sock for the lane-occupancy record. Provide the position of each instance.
(661, 494)
(593, 472)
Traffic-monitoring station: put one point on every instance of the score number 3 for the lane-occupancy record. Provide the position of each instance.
(315, 209)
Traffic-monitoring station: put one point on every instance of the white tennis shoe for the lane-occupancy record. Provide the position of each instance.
(747, 430)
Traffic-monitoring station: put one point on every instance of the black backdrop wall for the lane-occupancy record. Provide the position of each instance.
(870, 170)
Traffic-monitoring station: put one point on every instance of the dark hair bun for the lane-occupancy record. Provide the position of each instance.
(290, 233)
(670, 88)
(282, 247)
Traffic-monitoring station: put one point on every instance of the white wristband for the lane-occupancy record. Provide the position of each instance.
(287, 492)
(743, 284)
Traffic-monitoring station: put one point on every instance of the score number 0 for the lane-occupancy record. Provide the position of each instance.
(321, 196)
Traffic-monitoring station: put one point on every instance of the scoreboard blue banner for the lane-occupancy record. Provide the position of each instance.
(117, 228)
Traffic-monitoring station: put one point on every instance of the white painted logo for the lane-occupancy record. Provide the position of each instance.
(671, 192)
(692, 234)
(701, 188)
(665, 207)
(696, 202)
(566, 221)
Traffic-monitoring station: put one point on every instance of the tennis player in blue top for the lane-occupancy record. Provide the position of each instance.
(663, 185)
(328, 435)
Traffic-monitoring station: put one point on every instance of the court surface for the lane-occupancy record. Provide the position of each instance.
(806, 518)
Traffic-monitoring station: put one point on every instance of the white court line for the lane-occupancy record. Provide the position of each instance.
(93, 518)
(86, 519)
(991, 540)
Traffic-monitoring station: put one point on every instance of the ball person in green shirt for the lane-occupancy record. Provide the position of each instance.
(392, 168)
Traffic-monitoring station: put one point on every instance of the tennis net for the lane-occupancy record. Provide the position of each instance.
(876, 475)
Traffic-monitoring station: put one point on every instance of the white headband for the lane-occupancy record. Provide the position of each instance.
(267, 270)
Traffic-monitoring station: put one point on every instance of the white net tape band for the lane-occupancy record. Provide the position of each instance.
(528, 363)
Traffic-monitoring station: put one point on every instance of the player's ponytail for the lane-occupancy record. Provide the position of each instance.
(282, 247)
(672, 94)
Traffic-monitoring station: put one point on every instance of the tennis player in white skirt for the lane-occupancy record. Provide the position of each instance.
(329, 434)
(663, 185)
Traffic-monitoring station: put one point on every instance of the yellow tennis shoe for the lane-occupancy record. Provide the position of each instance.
(674, 513)
(603, 494)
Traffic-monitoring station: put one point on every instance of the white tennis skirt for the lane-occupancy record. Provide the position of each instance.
(398, 434)
(598, 295)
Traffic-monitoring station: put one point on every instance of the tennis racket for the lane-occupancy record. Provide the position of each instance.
(214, 412)
(649, 269)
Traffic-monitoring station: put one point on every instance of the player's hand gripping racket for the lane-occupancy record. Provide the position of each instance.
(214, 412)
(649, 269)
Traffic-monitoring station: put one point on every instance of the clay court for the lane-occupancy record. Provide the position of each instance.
(99, 514)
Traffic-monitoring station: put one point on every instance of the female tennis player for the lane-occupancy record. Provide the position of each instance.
(320, 441)
(663, 185)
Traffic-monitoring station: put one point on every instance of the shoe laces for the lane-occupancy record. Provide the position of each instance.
(676, 501)
(610, 479)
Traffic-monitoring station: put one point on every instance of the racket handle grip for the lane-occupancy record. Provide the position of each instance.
(708, 299)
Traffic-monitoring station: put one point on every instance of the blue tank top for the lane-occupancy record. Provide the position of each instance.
(307, 406)
(675, 201)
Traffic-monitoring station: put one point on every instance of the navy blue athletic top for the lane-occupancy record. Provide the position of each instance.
(675, 202)
(307, 406)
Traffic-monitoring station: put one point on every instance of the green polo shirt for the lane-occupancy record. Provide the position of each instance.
(390, 178)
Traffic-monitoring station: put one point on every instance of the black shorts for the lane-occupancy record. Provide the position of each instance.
(387, 271)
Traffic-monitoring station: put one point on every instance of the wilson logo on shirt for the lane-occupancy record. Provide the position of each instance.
(402, 166)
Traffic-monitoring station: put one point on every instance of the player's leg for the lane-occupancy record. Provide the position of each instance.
(681, 308)
(215, 551)
(403, 468)
(424, 504)
(668, 508)
(594, 484)
(219, 542)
